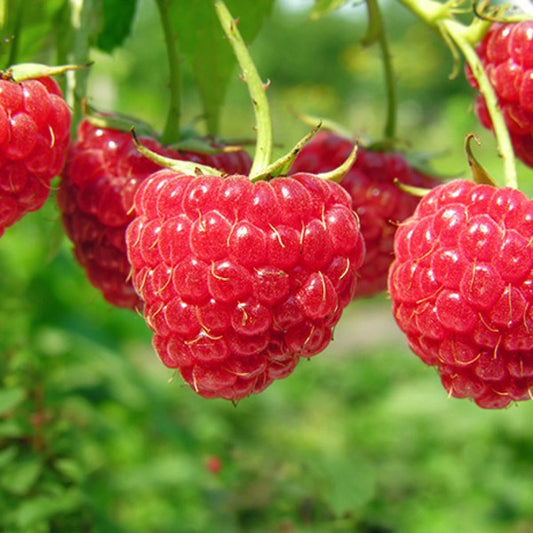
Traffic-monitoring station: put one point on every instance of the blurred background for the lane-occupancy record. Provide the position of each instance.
(97, 435)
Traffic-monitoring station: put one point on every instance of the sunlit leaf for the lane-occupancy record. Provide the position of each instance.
(324, 7)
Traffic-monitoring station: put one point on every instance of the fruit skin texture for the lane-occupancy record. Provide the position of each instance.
(380, 204)
(462, 290)
(506, 53)
(241, 279)
(34, 137)
(103, 171)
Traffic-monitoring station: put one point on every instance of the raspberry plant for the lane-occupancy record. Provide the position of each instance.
(242, 267)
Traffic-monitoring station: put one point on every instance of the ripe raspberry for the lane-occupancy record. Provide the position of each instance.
(377, 200)
(34, 137)
(462, 290)
(506, 53)
(103, 171)
(241, 279)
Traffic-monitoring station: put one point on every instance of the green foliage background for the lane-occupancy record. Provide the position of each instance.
(96, 435)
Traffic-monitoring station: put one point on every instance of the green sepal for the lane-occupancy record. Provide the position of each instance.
(338, 173)
(479, 174)
(186, 167)
(419, 192)
(120, 123)
(282, 165)
(27, 71)
(202, 146)
(326, 124)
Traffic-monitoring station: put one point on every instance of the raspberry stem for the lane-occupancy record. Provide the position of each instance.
(456, 31)
(171, 133)
(15, 39)
(256, 88)
(441, 17)
(76, 80)
(388, 71)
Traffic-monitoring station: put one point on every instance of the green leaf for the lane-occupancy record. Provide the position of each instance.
(202, 43)
(11, 429)
(70, 469)
(40, 508)
(7, 456)
(10, 398)
(324, 7)
(18, 478)
(350, 483)
(117, 20)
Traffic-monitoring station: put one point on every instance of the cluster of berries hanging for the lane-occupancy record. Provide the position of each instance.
(240, 272)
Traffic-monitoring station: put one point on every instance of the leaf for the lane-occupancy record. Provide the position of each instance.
(40, 508)
(70, 469)
(350, 483)
(10, 398)
(117, 19)
(7, 456)
(202, 43)
(18, 478)
(11, 429)
(324, 7)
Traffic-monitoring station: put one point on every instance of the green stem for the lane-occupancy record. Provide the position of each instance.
(76, 88)
(455, 31)
(440, 16)
(256, 88)
(388, 72)
(15, 39)
(427, 10)
(171, 133)
(3, 14)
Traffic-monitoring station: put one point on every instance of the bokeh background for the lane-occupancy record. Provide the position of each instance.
(97, 435)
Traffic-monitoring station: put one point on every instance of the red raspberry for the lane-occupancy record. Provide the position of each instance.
(241, 279)
(462, 290)
(103, 171)
(506, 53)
(380, 204)
(34, 137)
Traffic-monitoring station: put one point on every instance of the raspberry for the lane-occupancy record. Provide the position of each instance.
(34, 137)
(506, 53)
(462, 289)
(377, 200)
(103, 171)
(240, 279)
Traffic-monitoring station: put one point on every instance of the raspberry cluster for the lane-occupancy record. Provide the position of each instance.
(102, 173)
(239, 279)
(462, 290)
(34, 138)
(378, 201)
(506, 53)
